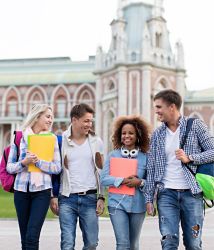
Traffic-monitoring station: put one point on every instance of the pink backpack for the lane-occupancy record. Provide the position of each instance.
(7, 180)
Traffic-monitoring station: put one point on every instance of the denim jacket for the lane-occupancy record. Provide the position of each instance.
(128, 203)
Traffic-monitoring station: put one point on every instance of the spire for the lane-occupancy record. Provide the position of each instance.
(146, 45)
(180, 55)
(158, 8)
(120, 9)
(99, 57)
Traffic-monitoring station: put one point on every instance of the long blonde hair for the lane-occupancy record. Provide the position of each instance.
(34, 114)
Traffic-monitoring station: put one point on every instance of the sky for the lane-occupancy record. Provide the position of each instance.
(74, 28)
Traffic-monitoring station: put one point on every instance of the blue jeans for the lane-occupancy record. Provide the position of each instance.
(180, 206)
(31, 209)
(70, 209)
(127, 228)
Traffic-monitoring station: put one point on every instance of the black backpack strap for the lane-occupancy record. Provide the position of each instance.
(188, 128)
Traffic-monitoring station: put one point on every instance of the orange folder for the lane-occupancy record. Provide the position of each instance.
(123, 167)
(43, 146)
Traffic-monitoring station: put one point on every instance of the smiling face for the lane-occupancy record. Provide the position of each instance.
(44, 122)
(164, 110)
(128, 136)
(83, 124)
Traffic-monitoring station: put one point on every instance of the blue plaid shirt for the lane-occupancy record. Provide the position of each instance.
(22, 174)
(199, 144)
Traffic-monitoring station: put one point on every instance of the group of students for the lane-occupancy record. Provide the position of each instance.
(161, 176)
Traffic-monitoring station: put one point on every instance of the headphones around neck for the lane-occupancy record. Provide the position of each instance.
(129, 154)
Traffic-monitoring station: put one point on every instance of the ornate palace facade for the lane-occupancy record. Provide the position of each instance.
(121, 81)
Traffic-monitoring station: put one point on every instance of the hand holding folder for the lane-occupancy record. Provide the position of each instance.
(41, 145)
(123, 167)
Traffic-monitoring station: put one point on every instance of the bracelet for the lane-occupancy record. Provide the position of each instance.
(101, 198)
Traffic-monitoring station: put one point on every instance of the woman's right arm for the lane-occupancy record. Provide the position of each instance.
(14, 165)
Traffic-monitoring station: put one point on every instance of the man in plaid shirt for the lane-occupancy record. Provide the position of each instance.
(179, 197)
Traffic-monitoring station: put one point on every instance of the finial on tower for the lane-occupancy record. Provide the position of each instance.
(158, 8)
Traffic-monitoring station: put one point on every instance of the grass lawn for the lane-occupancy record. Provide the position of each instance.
(7, 209)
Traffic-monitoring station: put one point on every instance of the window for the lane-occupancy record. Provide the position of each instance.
(61, 107)
(12, 107)
(86, 97)
(133, 56)
(158, 38)
(35, 99)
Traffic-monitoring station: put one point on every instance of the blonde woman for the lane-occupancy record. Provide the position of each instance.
(32, 190)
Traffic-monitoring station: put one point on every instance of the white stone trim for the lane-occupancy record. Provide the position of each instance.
(28, 93)
(5, 97)
(67, 95)
(79, 89)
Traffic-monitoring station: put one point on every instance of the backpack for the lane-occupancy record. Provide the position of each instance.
(204, 173)
(7, 180)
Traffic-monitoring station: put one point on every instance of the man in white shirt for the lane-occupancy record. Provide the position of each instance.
(81, 196)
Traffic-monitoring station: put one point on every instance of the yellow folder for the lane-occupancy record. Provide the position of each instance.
(41, 145)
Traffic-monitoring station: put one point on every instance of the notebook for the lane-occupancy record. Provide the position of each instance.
(123, 167)
(43, 146)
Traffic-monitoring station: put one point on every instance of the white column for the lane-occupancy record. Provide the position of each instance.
(180, 87)
(13, 128)
(98, 107)
(138, 95)
(130, 94)
(122, 91)
(146, 97)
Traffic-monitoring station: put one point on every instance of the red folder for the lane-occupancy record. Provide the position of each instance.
(123, 167)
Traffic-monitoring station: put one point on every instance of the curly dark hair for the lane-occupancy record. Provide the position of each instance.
(142, 132)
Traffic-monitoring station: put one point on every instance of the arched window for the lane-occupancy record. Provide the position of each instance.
(36, 98)
(86, 97)
(160, 86)
(133, 56)
(114, 43)
(158, 40)
(12, 107)
(61, 107)
(110, 86)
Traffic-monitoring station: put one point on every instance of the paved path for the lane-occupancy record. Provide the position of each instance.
(50, 236)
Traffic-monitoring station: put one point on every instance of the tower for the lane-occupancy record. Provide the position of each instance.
(138, 64)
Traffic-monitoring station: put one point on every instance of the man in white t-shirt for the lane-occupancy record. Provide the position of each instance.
(179, 197)
(81, 196)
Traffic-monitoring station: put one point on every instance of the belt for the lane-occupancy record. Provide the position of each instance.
(181, 190)
(93, 191)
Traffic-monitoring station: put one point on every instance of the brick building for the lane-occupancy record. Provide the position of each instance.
(138, 64)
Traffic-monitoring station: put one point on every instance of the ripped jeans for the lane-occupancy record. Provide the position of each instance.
(175, 206)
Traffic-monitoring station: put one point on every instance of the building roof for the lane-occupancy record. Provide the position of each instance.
(46, 71)
(205, 95)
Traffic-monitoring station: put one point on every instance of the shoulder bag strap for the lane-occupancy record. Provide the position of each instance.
(188, 127)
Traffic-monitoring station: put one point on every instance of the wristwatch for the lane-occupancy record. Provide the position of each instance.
(142, 183)
(101, 197)
(190, 158)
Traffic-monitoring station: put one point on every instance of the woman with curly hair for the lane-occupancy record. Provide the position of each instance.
(127, 212)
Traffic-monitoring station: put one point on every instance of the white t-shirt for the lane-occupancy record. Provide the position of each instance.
(173, 177)
(81, 167)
